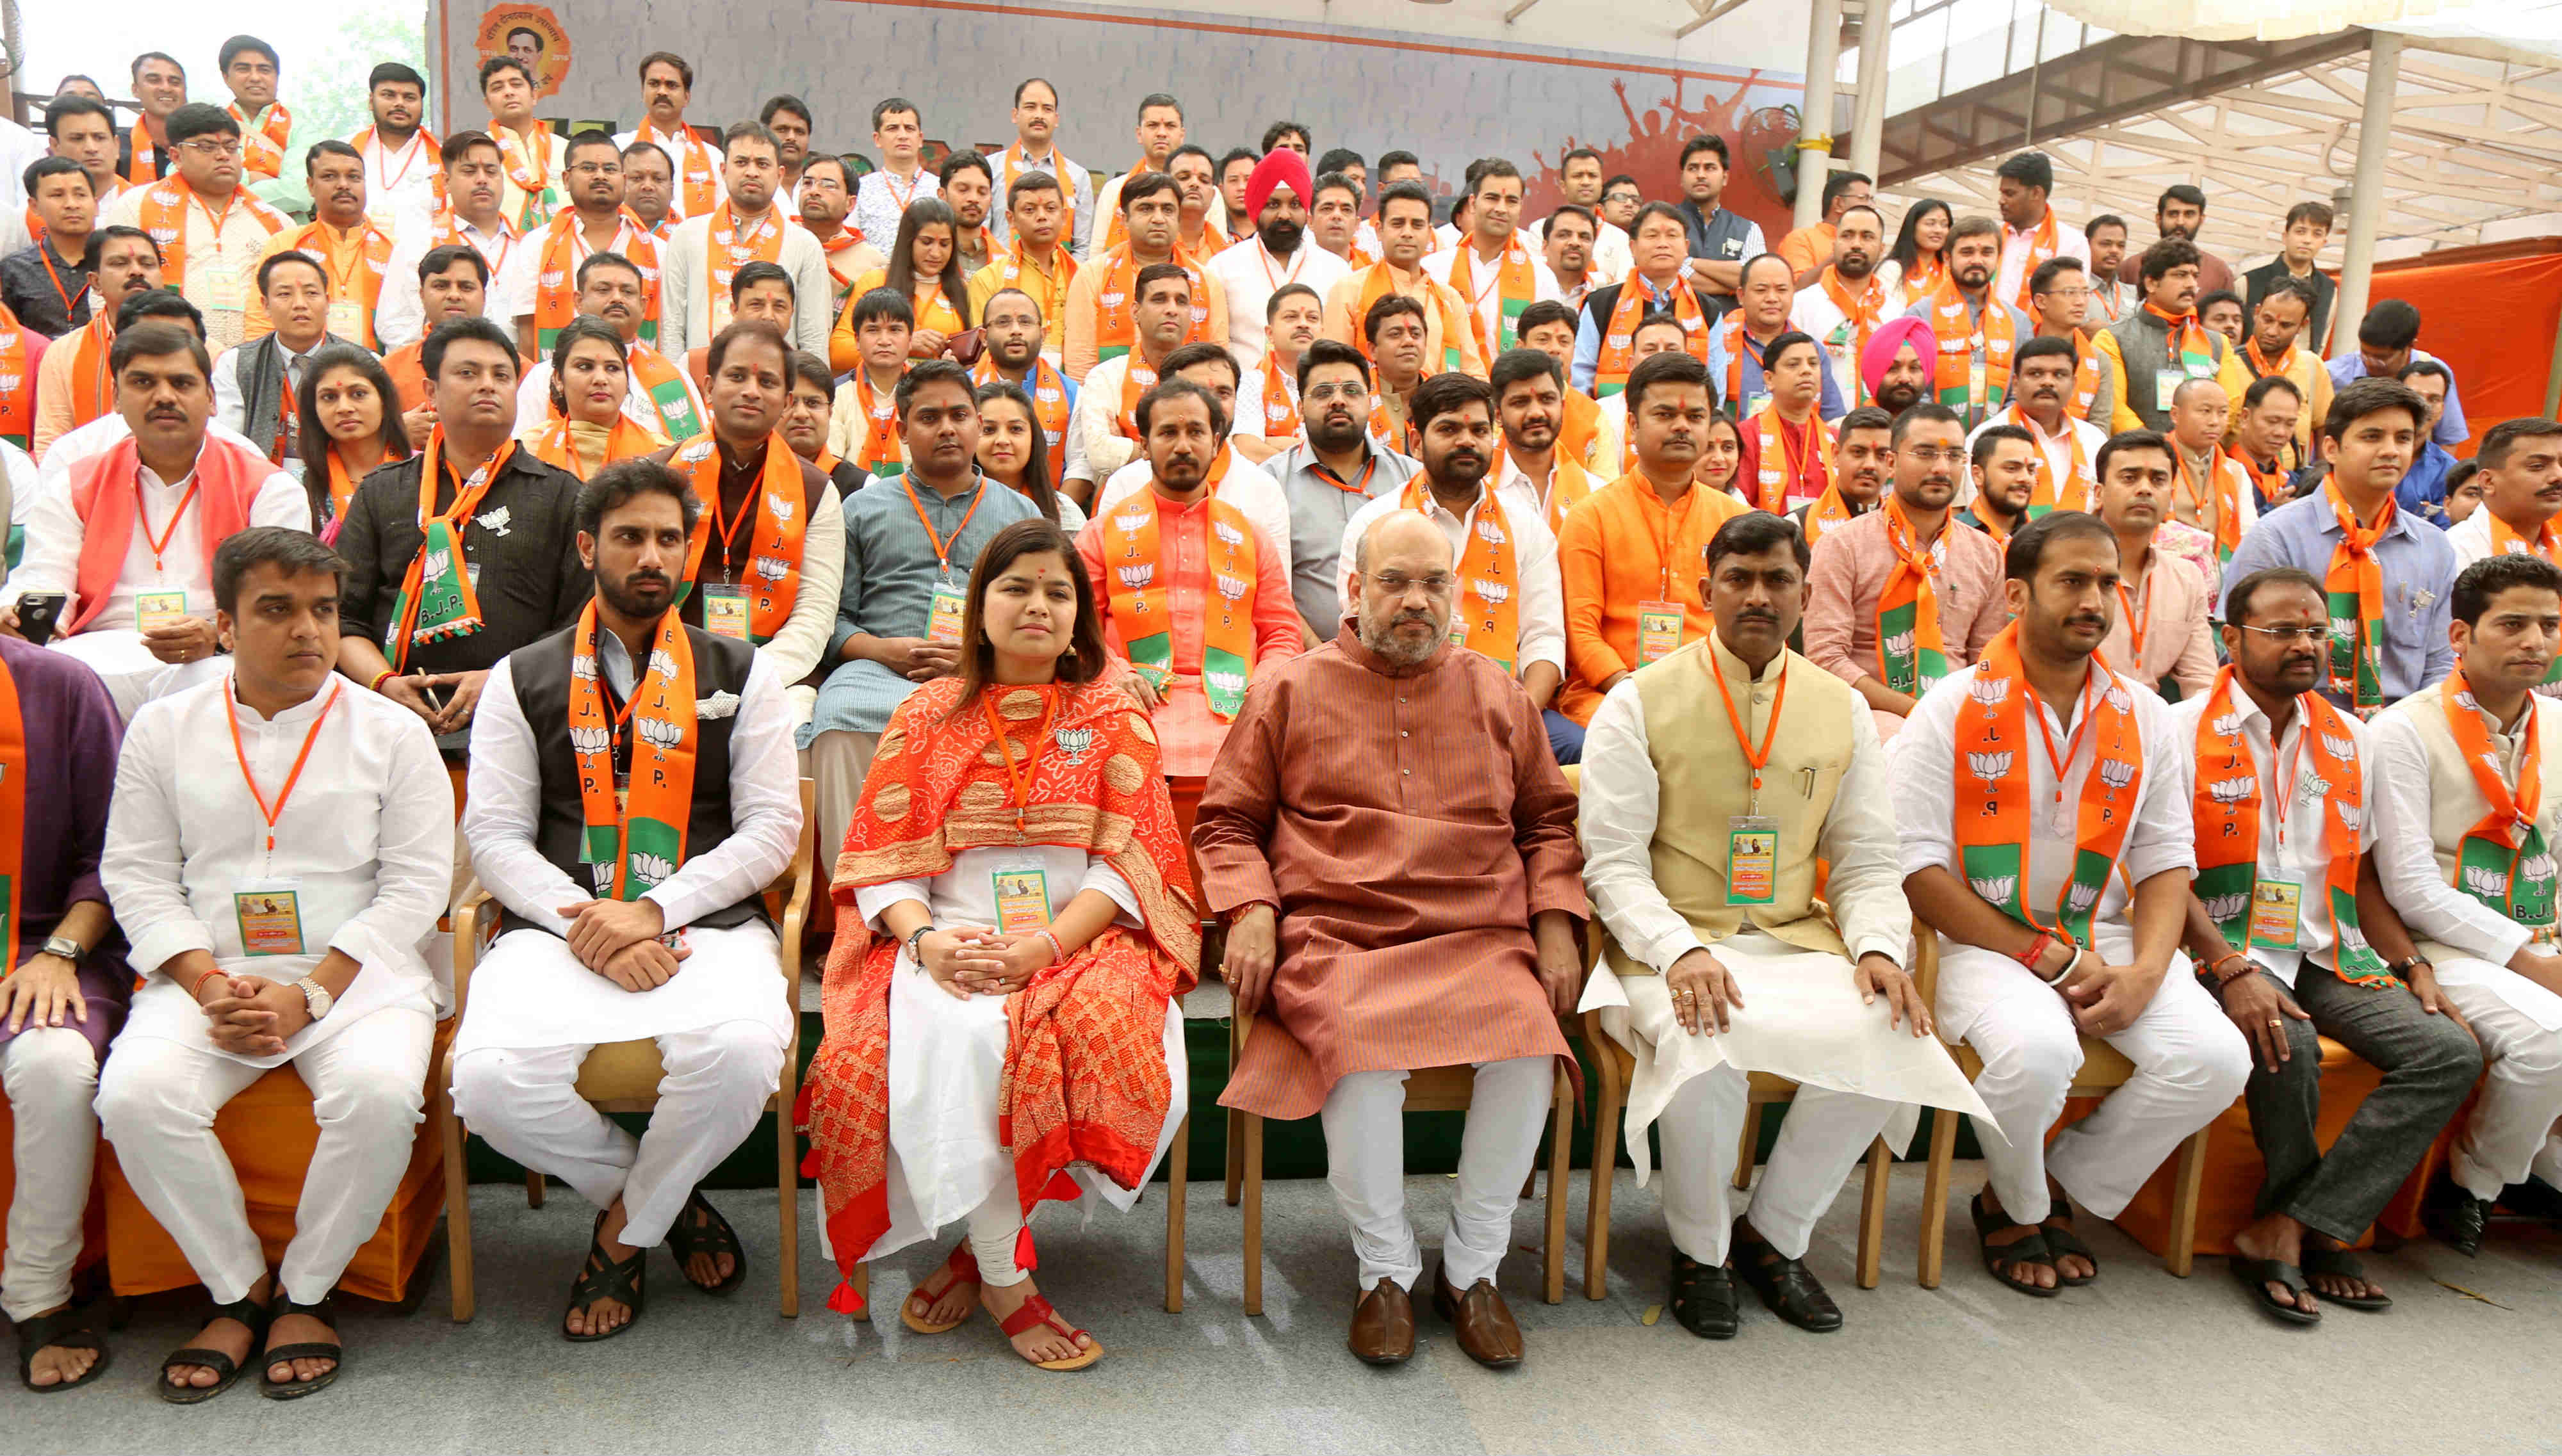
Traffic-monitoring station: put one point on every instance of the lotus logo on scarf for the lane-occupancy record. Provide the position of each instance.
(2232, 790)
(1073, 743)
(658, 733)
(1232, 587)
(783, 508)
(1228, 535)
(2224, 908)
(1131, 522)
(2340, 748)
(2082, 897)
(1996, 889)
(2537, 868)
(1137, 577)
(1113, 299)
(2352, 815)
(1901, 646)
(2228, 725)
(678, 407)
(1492, 594)
(1992, 768)
(2120, 699)
(1992, 692)
(1493, 533)
(695, 452)
(438, 563)
(771, 568)
(2486, 883)
(604, 876)
(583, 666)
(584, 741)
(2345, 629)
(661, 663)
(651, 868)
(2467, 701)
(2117, 773)
(1229, 682)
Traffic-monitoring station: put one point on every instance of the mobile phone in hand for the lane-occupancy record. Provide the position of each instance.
(38, 612)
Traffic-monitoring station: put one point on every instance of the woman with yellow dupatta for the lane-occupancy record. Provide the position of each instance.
(586, 429)
(350, 423)
(1017, 924)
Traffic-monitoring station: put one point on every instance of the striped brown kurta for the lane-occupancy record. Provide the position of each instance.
(1408, 823)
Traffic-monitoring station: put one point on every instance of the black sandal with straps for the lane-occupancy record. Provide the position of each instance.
(2064, 1244)
(2004, 1261)
(244, 1312)
(64, 1329)
(602, 1278)
(700, 1230)
(327, 1312)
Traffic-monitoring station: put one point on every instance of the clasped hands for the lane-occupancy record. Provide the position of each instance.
(2104, 998)
(976, 960)
(255, 1016)
(618, 939)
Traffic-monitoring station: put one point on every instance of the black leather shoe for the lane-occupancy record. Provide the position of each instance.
(2457, 1216)
(1703, 1298)
(1786, 1286)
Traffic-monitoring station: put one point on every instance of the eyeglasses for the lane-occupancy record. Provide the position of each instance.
(2308, 636)
(1323, 392)
(610, 169)
(1930, 456)
(1395, 583)
(210, 146)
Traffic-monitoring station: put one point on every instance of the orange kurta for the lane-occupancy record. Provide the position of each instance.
(1409, 823)
(1611, 554)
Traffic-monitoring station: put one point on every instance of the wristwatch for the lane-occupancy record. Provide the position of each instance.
(65, 948)
(316, 997)
(2402, 968)
(916, 945)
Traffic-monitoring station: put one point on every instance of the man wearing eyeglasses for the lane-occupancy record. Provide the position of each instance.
(210, 230)
(2059, 297)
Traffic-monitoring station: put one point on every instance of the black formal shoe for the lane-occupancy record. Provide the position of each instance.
(1703, 1298)
(2457, 1216)
(1786, 1286)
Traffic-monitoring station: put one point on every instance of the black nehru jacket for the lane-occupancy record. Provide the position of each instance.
(1600, 301)
(541, 676)
(523, 539)
(728, 561)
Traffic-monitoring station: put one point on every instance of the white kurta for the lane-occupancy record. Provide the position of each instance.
(1488, 299)
(689, 315)
(535, 997)
(400, 319)
(365, 844)
(1251, 275)
(1802, 1018)
(948, 1055)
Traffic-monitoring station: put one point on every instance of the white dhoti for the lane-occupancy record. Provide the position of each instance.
(947, 1162)
(51, 1077)
(2520, 1026)
(1365, 1123)
(2190, 1064)
(535, 1012)
(132, 675)
(156, 1101)
(1802, 1019)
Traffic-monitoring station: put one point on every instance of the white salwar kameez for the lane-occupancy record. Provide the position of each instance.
(947, 1162)
(365, 844)
(1802, 1018)
(2190, 1061)
(721, 1023)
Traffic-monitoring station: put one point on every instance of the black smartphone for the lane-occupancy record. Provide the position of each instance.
(38, 611)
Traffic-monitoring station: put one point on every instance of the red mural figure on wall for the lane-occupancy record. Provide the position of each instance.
(1651, 151)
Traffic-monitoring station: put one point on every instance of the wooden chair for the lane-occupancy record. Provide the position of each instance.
(1615, 1067)
(2104, 1070)
(1427, 1089)
(624, 1077)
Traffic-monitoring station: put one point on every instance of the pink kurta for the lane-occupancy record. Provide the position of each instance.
(1408, 823)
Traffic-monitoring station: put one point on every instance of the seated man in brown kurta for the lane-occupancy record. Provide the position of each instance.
(1387, 808)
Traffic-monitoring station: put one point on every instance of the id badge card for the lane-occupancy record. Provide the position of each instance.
(347, 319)
(1658, 630)
(1755, 401)
(622, 794)
(153, 610)
(1978, 380)
(2167, 382)
(270, 915)
(1022, 899)
(949, 601)
(226, 291)
(725, 611)
(2276, 909)
(1751, 858)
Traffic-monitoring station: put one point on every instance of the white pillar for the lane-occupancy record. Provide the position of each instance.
(1868, 108)
(2367, 185)
(1815, 131)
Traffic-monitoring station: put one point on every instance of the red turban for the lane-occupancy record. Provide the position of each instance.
(1280, 167)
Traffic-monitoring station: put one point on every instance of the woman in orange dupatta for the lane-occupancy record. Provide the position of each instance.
(1038, 1052)
(350, 423)
(587, 429)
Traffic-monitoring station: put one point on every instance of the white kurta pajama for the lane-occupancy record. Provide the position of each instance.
(1802, 1018)
(365, 843)
(721, 1024)
(2511, 1128)
(2190, 1061)
(947, 1055)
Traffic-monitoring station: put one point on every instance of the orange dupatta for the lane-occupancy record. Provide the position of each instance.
(1488, 618)
(1619, 336)
(775, 542)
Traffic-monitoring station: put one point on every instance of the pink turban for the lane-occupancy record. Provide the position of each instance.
(1891, 336)
(1280, 167)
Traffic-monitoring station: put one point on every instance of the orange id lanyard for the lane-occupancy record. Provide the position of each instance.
(299, 758)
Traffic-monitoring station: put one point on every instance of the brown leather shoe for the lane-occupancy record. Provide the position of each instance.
(1481, 1320)
(1383, 1326)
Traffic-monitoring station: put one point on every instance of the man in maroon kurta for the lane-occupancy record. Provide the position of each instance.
(1392, 804)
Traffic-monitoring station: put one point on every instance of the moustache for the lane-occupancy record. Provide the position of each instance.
(648, 578)
(2087, 618)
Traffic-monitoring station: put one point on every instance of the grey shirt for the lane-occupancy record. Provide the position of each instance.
(890, 572)
(1320, 509)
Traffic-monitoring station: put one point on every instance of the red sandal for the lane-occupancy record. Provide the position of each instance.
(1037, 1310)
(963, 1267)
